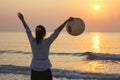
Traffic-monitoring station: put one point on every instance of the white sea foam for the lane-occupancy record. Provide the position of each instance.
(84, 56)
(60, 73)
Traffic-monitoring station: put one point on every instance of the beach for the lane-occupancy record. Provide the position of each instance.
(15, 66)
(77, 62)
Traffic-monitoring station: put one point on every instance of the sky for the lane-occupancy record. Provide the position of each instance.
(98, 15)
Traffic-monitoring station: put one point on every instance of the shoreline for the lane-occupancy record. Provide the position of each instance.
(14, 65)
(24, 73)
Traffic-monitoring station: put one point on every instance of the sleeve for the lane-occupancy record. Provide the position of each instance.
(53, 36)
(29, 34)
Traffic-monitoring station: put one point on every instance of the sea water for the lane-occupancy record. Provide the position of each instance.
(90, 53)
(99, 42)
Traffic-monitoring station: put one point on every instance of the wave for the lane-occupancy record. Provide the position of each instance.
(86, 55)
(13, 51)
(60, 73)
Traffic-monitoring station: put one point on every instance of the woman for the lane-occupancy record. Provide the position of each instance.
(40, 64)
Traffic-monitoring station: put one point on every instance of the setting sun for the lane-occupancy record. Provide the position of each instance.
(96, 7)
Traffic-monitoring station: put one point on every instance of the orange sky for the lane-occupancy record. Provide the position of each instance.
(51, 13)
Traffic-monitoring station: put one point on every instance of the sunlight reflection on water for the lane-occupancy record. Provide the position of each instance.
(96, 42)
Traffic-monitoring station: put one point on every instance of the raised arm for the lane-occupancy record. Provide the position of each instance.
(21, 17)
(63, 25)
(28, 31)
(57, 31)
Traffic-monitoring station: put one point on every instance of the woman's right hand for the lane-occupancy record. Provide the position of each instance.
(70, 19)
(20, 15)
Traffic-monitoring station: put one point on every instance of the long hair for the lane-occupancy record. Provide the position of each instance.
(40, 33)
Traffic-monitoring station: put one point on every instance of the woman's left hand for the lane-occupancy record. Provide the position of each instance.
(20, 15)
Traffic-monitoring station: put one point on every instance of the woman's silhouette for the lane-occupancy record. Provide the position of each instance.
(40, 64)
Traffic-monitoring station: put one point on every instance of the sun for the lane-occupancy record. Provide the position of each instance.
(96, 7)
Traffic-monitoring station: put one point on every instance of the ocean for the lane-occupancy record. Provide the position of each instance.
(98, 42)
(91, 55)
